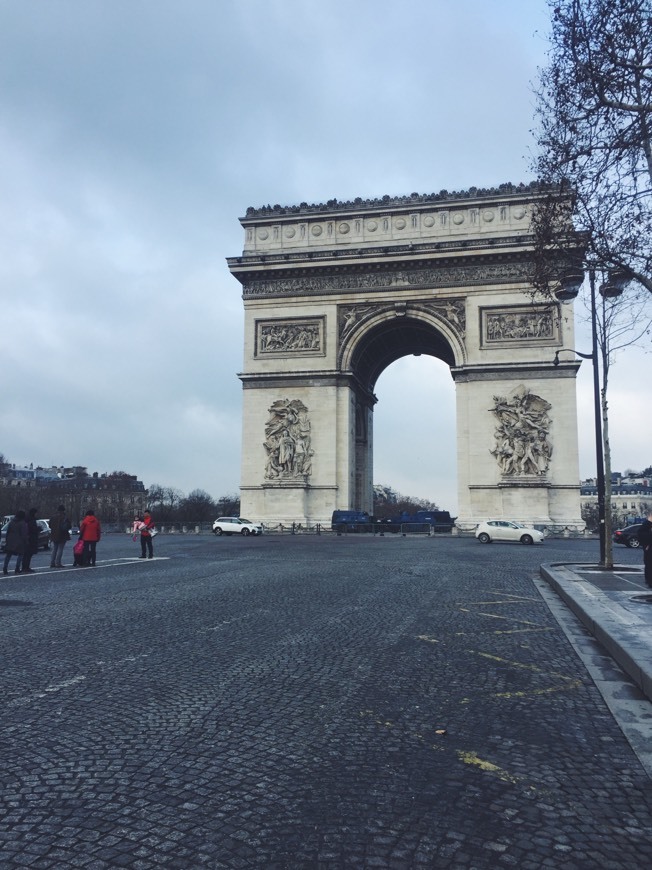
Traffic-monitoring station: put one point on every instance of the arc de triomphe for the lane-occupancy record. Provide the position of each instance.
(336, 292)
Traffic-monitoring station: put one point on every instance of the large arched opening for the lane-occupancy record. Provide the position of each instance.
(390, 340)
(415, 449)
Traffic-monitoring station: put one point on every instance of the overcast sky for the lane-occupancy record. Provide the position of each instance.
(135, 133)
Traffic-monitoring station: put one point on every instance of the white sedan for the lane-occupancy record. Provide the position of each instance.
(236, 526)
(507, 530)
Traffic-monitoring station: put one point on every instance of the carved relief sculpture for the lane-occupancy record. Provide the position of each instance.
(522, 444)
(287, 442)
(506, 326)
(290, 336)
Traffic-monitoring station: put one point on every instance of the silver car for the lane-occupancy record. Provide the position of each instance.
(236, 526)
(44, 534)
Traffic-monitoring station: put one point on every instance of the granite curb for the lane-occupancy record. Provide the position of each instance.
(620, 619)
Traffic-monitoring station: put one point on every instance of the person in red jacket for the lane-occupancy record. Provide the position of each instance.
(90, 532)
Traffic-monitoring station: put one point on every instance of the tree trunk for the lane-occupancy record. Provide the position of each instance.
(608, 523)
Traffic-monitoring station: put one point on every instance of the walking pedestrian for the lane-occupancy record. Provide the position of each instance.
(16, 542)
(146, 545)
(32, 541)
(90, 533)
(645, 540)
(60, 535)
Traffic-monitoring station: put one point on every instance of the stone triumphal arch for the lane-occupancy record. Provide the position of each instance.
(334, 293)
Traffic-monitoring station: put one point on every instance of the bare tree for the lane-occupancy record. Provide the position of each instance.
(197, 507)
(594, 109)
(595, 162)
(228, 505)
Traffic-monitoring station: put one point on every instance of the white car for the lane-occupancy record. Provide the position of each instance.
(236, 526)
(507, 530)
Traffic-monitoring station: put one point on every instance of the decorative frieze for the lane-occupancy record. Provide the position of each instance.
(522, 444)
(288, 442)
(444, 276)
(290, 337)
(516, 325)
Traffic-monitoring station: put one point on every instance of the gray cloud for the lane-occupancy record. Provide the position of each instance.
(133, 136)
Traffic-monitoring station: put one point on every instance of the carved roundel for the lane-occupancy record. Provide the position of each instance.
(487, 216)
(458, 218)
(372, 226)
(263, 234)
(429, 221)
(344, 229)
(399, 224)
(290, 233)
(316, 230)
(519, 213)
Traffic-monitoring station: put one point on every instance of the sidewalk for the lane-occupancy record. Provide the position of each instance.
(615, 607)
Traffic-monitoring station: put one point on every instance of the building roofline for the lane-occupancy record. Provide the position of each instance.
(386, 202)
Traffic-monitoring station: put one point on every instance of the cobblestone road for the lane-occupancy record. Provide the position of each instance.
(308, 702)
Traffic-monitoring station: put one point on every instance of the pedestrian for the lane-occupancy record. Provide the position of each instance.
(32, 541)
(90, 533)
(146, 545)
(645, 540)
(15, 542)
(60, 535)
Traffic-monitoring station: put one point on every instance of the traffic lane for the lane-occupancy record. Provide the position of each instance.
(315, 702)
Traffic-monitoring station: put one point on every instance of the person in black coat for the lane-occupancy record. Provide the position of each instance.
(32, 540)
(16, 542)
(645, 540)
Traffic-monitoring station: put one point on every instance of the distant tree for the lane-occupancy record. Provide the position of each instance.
(384, 508)
(589, 513)
(228, 506)
(155, 495)
(197, 507)
(164, 502)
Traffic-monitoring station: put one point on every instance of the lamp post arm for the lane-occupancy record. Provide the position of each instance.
(556, 360)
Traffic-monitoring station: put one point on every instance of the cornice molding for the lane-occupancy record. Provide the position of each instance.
(334, 206)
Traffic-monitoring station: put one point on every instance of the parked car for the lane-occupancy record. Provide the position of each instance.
(236, 526)
(628, 536)
(44, 534)
(507, 530)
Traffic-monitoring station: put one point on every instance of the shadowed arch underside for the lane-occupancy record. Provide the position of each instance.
(389, 341)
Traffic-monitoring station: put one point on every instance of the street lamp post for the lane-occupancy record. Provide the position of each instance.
(570, 285)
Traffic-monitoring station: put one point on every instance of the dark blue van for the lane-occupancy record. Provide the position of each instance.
(351, 521)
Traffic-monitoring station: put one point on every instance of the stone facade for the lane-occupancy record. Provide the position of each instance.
(335, 293)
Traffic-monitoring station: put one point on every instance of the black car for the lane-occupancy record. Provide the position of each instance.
(628, 536)
(44, 533)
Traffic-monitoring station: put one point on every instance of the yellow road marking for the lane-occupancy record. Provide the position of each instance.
(572, 684)
(474, 760)
(510, 618)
